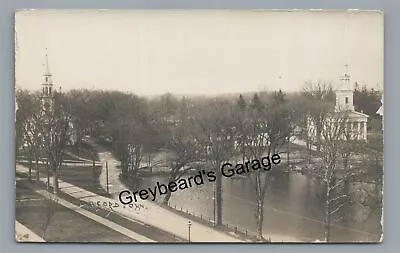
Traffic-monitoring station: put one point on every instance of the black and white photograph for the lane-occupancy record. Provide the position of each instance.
(199, 126)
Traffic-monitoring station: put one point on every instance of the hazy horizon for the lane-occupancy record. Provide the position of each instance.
(197, 52)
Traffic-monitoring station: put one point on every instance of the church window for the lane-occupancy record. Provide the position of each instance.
(347, 100)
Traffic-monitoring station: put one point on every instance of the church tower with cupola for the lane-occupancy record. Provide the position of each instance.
(356, 126)
(344, 94)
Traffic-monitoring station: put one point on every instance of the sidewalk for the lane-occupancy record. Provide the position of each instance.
(156, 215)
(92, 216)
(24, 234)
(150, 213)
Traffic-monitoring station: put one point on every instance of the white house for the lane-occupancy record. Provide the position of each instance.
(380, 112)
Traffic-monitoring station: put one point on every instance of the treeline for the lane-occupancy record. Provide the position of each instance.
(368, 101)
(193, 130)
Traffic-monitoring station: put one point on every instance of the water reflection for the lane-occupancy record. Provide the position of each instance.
(293, 208)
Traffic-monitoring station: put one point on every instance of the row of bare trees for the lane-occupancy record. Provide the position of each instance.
(197, 131)
(219, 130)
(43, 132)
(338, 151)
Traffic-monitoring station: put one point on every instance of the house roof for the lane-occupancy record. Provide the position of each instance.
(355, 114)
(380, 110)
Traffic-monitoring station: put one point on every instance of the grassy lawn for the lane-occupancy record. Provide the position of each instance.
(85, 177)
(37, 218)
(58, 223)
(85, 151)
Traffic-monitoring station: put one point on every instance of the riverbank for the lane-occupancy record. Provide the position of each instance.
(156, 215)
(292, 203)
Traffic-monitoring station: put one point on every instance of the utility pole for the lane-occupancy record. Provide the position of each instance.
(94, 170)
(189, 225)
(107, 176)
(214, 198)
(218, 197)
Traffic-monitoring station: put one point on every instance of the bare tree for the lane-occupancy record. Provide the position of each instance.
(33, 137)
(217, 132)
(264, 129)
(185, 150)
(29, 128)
(332, 175)
(25, 109)
(49, 211)
(320, 97)
(56, 132)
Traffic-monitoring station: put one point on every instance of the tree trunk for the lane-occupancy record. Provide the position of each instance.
(30, 170)
(346, 162)
(78, 138)
(327, 227)
(30, 166)
(308, 143)
(327, 217)
(218, 197)
(48, 174)
(37, 169)
(124, 163)
(347, 205)
(260, 218)
(166, 198)
(319, 134)
(171, 178)
(55, 180)
(287, 152)
(94, 170)
(138, 158)
(149, 161)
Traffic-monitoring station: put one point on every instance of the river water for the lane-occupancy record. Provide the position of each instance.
(293, 208)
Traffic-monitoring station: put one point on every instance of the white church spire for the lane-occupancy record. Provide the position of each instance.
(47, 89)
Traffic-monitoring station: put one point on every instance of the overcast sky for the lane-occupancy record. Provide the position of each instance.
(197, 52)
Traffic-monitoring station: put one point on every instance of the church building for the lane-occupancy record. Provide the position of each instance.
(355, 126)
(47, 96)
(47, 103)
(356, 121)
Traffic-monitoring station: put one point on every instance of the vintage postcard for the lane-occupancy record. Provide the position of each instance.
(197, 126)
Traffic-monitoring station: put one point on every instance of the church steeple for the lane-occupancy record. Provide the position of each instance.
(344, 94)
(48, 82)
(47, 98)
(345, 79)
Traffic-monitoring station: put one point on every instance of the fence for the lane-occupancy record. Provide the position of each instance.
(210, 221)
(64, 162)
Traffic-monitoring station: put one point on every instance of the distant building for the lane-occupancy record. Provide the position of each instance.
(380, 112)
(47, 101)
(356, 122)
(47, 96)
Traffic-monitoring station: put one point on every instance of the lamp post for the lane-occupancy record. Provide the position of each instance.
(214, 198)
(189, 225)
(107, 176)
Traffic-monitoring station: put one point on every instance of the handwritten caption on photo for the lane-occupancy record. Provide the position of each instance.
(111, 205)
